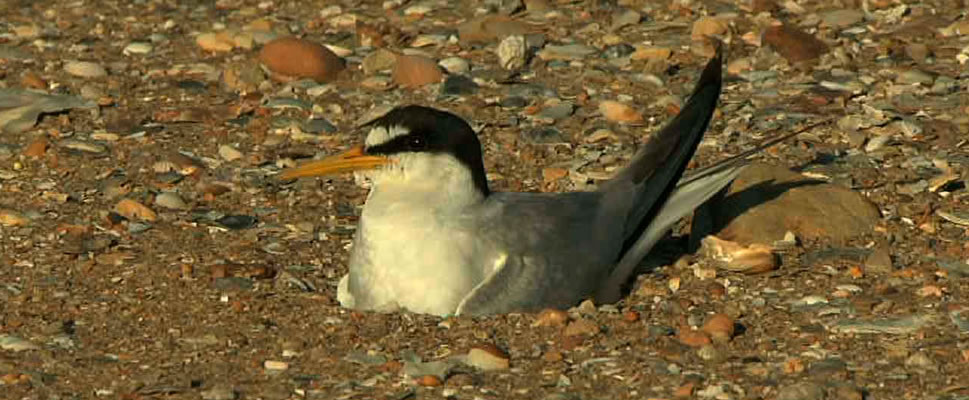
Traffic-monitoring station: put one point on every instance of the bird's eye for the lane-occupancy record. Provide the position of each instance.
(416, 143)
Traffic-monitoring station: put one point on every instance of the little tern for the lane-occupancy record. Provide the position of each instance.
(433, 238)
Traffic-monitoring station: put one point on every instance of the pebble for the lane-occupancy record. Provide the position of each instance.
(618, 112)
(414, 71)
(754, 259)
(692, 338)
(82, 146)
(229, 153)
(137, 48)
(219, 42)
(455, 65)
(487, 358)
(551, 317)
(720, 327)
(171, 200)
(290, 57)
(12, 218)
(85, 69)
(843, 18)
(512, 52)
(895, 326)
(275, 365)
(219, 393)
(134, 210)
(801, 391)
(379, 60)
(566, 52)
(793, 44)
(458, 85)
(581, 327)
(914, 76)
(16, 344)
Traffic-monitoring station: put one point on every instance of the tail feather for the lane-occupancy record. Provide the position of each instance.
(690, 192)
(653, 172)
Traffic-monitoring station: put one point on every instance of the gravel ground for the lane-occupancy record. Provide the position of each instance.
(148, 251)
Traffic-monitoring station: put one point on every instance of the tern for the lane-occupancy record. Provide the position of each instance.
(434, 239)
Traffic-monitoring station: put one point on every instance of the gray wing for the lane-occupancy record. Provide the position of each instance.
(651, 180)
(550, 250)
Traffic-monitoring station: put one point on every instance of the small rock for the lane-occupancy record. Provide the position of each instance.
(229, 153)
(765, 202)
(793, 44)
(15, 344)
(566, 52)
(581, 327)
(551, 317)
(618, 51)
(490, 27)
(895, 326)
(170, 200)
(512, 52)
(703, 30)
(921, 362)
(219, 42)
(134, 210)
(414, 71)
(626, 18)
(554, 174)
(879, 261)
(275, 365)
(429, 381)
(801, 391)
(298, 58)
(692, 338)
(720, 327)
(84, 69)
(918, 52)
(379, 60)
(455, 65)
(137, 48)
(31, 80)
(37, 148)
(487, 358)
(754, 259)
(914, 76)
(458, 85)
(651, 53)
(219, 393)
(842, 18)
(619, 112)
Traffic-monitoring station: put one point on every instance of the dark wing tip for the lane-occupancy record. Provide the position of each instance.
(713, 73)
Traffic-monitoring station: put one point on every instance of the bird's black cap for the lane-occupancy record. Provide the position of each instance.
(432, 131)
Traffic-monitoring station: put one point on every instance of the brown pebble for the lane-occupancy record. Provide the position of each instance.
(692, 338)
(619, 112)
(552, 356)
(30, 79)
(429, 380)
(793, 44)
(37, 148)
(134, 210)
(291, 57)
(551, 317)
(684, 391)
(412, 71)
(630, 316)
(720, 327)
(581, 327)
(552, 174)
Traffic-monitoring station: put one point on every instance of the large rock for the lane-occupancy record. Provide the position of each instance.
(766, 201)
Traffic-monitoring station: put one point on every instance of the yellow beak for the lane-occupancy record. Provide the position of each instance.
(353, 159)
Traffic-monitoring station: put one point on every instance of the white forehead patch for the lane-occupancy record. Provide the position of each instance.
(380, 135)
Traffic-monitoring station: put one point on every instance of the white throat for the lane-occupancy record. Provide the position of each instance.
(430, 181)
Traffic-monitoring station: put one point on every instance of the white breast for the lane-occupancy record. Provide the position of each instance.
(407, 255)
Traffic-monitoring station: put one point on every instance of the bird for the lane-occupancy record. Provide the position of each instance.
(433, 238)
